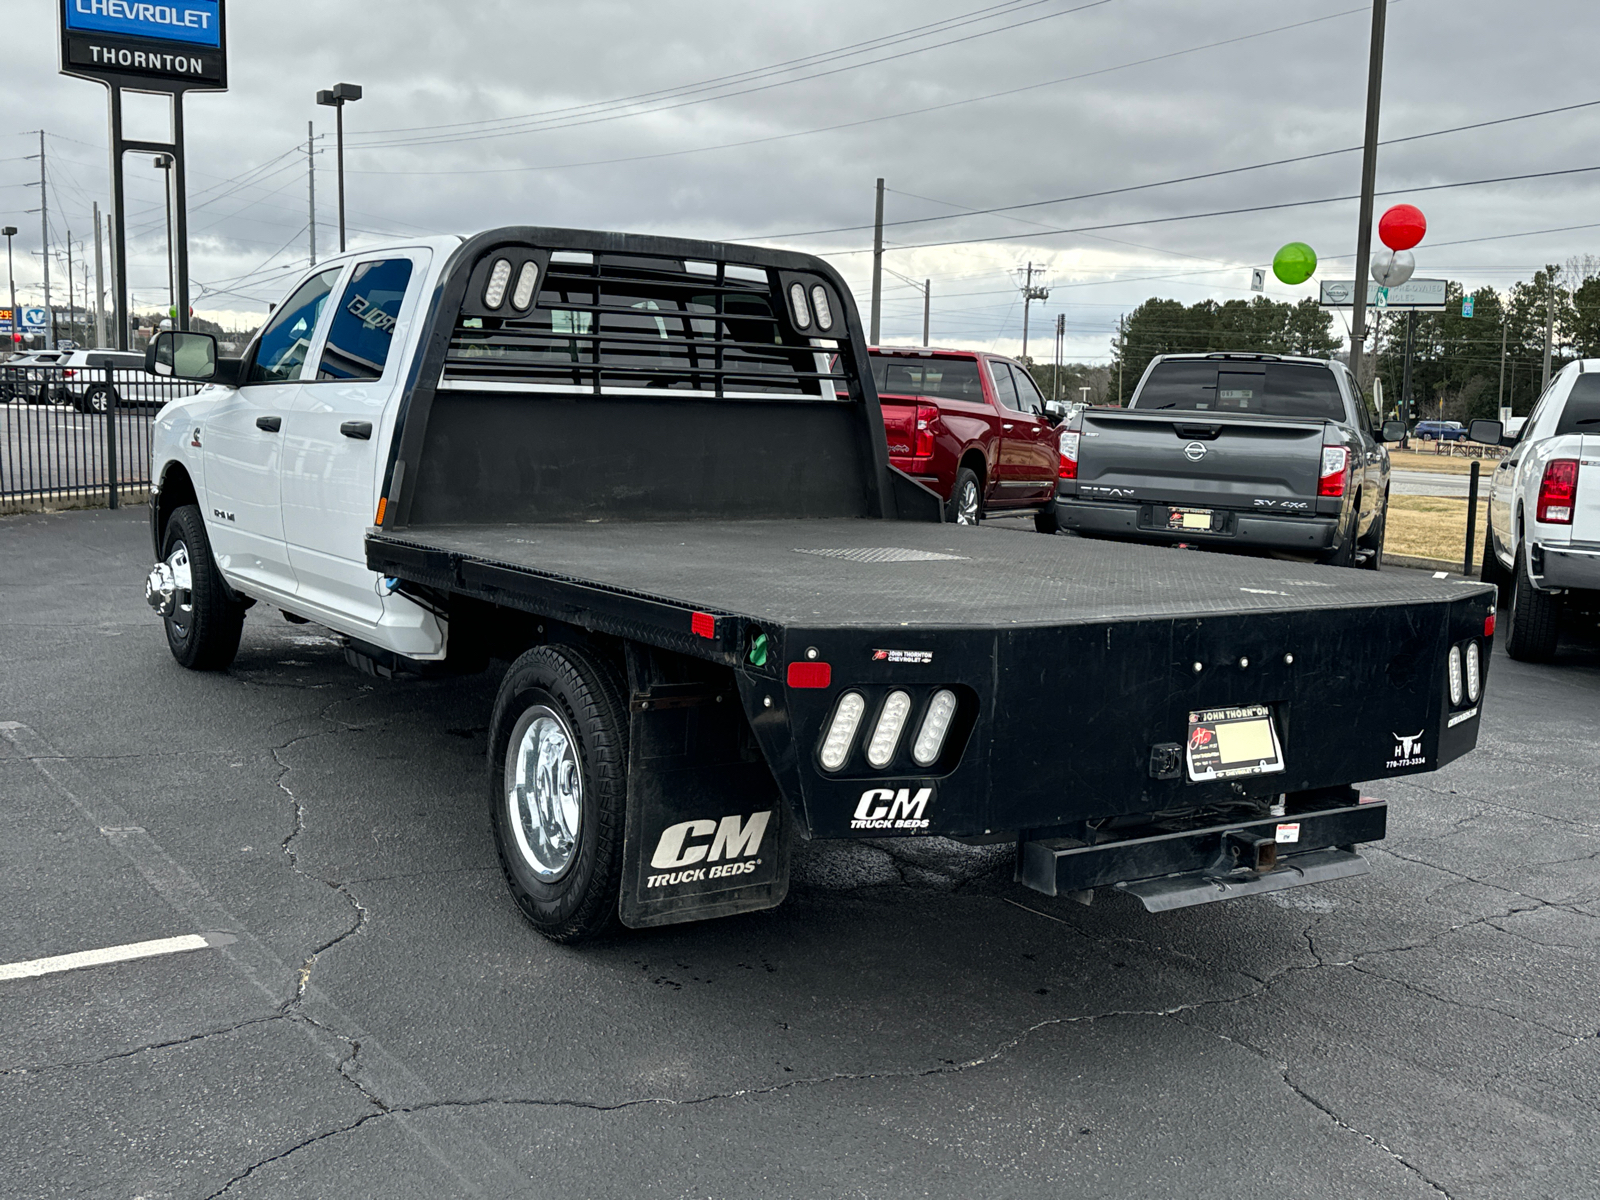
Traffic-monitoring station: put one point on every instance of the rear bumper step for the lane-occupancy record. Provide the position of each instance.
(1214, 862)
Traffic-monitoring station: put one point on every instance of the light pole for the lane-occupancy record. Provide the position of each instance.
(335, 99)
(16, 318)
(164, 164)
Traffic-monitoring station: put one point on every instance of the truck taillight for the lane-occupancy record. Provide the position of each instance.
(69, 373)
(922, 444)
(1335, 459)
(1069, 454)
(1557, 490)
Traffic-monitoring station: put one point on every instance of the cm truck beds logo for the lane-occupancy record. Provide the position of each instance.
(892, 808)
(727, 847)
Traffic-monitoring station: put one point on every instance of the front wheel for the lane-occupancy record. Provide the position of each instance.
(966, 499)
(558, 784)
(1535, 617)
(204, 625)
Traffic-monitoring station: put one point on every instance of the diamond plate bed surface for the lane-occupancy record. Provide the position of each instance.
(867, 573)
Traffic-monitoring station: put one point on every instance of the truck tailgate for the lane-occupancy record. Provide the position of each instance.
(1198, 458)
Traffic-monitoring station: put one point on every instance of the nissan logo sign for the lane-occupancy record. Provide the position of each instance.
(1194, 451)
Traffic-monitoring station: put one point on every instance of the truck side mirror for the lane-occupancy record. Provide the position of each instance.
(181, 354)
(1392, 431)
(1489, 433)
(1056, 411)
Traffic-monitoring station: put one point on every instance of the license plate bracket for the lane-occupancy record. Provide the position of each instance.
(1229, 743)
(1191, 519)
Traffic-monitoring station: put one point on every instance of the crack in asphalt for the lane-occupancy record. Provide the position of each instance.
(42, 1068)
(1341, 1123)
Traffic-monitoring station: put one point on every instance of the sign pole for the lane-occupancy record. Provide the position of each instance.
(1405, 386)
(180, 206)
(119, 231)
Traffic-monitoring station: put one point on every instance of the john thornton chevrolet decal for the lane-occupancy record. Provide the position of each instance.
(903, 656)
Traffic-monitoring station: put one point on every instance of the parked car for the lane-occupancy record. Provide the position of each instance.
(1440, 431)
(26, 376)
(1249, 452)
(83, 381)
(972, 427)
(1542, 546)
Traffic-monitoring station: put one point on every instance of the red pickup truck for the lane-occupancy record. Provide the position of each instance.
(972, 427)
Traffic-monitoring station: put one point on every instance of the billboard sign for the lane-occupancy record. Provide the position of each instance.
(5, 320)
(1422, 294)
(35, 318)
(172, 45)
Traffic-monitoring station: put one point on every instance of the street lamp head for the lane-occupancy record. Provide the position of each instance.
(9, 231)
(163, 161)
(326, 97)
(347, 91)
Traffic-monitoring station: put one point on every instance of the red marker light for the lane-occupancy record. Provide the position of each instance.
(1488, 626)
(810, 674)
(704, 624)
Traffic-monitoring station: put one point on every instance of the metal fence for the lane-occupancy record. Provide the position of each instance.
(77, 437)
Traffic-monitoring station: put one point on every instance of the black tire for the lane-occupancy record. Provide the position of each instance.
(1535, 617)
(206, 637)
(1045, 520)
(966, 499)
(97, 400)
(1373, 542)
(583, 695)
(1493, 571)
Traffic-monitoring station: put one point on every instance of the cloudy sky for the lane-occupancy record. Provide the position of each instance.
(770, 122)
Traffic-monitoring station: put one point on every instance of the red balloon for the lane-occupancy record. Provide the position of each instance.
(1402, 227)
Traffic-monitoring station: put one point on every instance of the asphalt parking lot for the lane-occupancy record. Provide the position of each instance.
(370, 1015)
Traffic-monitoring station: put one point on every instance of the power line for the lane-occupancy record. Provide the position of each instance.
(543, 127)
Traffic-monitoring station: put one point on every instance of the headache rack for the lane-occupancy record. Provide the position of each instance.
(635, 322)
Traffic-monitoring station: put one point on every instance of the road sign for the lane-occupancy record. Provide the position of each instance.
(177, 45)
(1466, 306)
(1258, 279)
(35, 318)
(1422, 294)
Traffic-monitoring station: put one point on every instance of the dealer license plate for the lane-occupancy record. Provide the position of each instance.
(1228, 742)
(1188, 518)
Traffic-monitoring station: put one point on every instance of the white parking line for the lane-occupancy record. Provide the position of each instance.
(109, 954)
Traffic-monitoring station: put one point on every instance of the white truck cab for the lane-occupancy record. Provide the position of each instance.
(1542, 546)
(286, 465)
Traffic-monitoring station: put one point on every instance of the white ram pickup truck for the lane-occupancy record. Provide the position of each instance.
(1542, 545)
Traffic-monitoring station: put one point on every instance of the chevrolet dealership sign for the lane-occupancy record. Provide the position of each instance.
(179, 42)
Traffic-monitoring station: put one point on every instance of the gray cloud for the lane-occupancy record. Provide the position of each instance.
(430, 64)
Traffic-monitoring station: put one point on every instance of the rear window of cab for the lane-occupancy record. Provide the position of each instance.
(939, 378)
(1268, 389)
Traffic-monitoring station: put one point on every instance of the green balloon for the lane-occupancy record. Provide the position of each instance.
(1295, 263)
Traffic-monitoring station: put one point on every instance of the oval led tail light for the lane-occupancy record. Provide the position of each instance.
(935, 728)
(1474, 676)
(842, 730)
(1455, 676)
(495, 292)
(819, 301)
(891, 722)
(527, 280)
(797, 302)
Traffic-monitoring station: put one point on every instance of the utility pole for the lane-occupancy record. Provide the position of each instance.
(99, 283)
(877, 266)
(1061, 341)
(1122, 351)
(311, 187)
(1549, 327)
(1502, 399)
(1369, 172)
(1405, 377)
(1030, 294)
(44, 245)
(9, 232)
(927, 304)
(70, 305)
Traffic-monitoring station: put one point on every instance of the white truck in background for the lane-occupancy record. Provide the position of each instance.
(1542, 544)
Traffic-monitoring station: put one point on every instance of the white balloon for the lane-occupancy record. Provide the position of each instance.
(1391, 268)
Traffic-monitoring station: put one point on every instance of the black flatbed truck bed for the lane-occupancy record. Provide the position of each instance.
(749, 561)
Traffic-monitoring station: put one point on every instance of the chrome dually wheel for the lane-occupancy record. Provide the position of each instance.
(544, 792)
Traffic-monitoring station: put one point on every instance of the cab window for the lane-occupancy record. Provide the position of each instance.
(364, 323)
(281, 352)
(1005, 391)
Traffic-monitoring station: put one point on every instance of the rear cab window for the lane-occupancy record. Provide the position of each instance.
(362, 330)
(1252, 389)
(1581, 413)
(1005, 389)
(937, 378)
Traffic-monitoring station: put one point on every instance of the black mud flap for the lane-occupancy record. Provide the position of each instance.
(708, 832)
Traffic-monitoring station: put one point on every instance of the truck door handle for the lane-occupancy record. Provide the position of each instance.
(270, 424)
(361, 430)
(1005, 424)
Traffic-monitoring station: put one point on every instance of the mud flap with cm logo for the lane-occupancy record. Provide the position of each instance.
(708, 832)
